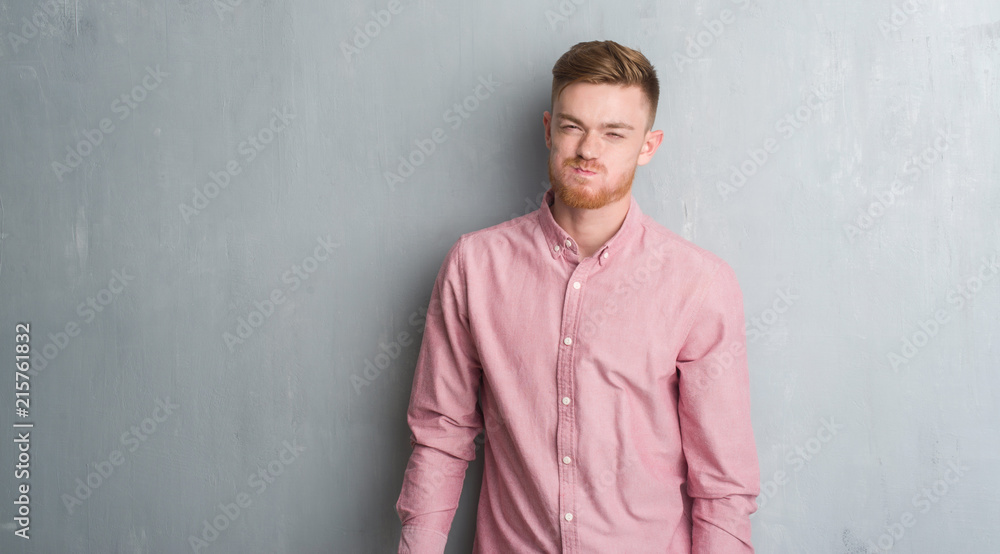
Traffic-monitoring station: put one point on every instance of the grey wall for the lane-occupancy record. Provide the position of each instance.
(841, 155)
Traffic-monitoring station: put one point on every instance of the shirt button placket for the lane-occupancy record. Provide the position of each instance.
(565, 441)
(566, 432)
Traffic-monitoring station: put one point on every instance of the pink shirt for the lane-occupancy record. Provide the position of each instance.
(614, 395)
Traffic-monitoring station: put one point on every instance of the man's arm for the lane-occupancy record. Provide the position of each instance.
(714, 413)
(443, 416)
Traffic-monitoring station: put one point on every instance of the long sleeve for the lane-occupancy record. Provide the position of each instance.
(714, 412)
(443, 415)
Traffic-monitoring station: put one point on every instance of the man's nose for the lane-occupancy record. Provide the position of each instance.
(589, 146)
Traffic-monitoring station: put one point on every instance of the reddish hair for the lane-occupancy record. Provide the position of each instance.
(606, 62)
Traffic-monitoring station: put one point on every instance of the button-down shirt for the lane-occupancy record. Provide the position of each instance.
(613, 391)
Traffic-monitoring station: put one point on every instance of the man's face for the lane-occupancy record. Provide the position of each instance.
(596, 138)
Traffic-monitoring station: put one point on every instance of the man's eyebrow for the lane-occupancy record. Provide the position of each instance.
(608, 125)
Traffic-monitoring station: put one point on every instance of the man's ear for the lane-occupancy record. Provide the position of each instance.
(547, 122)
(649, 146)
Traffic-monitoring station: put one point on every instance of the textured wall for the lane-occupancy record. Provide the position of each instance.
(222, 220)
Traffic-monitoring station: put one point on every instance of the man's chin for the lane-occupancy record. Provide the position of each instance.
(580, 198)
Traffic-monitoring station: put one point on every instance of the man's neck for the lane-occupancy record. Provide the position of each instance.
(591, 228)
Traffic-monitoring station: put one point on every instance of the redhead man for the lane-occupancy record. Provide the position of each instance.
(603, 356)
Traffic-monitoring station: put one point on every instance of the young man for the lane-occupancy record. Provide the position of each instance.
(609, 354)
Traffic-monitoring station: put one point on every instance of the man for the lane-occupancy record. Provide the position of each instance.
(608, 351)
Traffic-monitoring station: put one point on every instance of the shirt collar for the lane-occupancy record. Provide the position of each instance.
(558, 241)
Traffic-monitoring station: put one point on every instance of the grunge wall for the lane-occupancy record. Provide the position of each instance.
(221, 221)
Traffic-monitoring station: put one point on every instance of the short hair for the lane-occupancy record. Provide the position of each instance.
(606, 62)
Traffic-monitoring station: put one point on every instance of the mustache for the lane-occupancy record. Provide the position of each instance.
(586, 167)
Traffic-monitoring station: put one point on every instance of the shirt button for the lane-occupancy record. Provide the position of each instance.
(605, 255)
(569, 243)
(569, 517)
(556, 247)
(565, 400)
(576, 285)
(567, 459)
(568, 341)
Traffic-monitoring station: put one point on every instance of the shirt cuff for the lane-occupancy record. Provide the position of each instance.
(420, 540)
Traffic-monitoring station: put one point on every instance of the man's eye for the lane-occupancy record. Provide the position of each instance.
(616, 135)
(569, 126)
